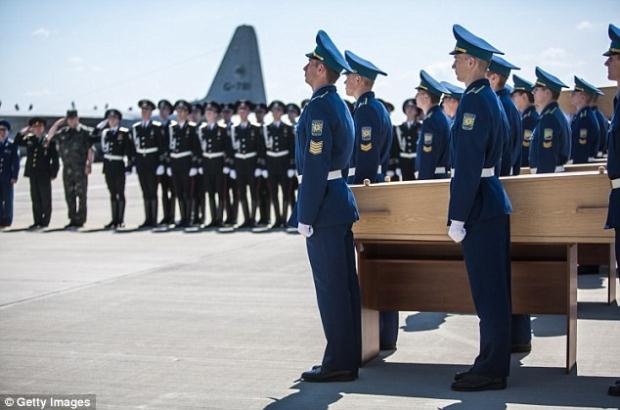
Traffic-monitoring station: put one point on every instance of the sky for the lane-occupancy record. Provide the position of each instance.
(117, 52)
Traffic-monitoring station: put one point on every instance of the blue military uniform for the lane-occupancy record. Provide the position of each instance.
(529, 118)
(455, 92)
(603, 125)
(433, 151)
(9, 170)
(585, 130)
(324, 144)
(478, 199)
(511, 157)
(550, 148)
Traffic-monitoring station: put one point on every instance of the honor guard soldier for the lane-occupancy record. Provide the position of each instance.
(74, 143)
(433, 150)
(585, 130)
(41, 168)
(116, 144)
(279, 143)
(373, 141)
(603, 125)
(479, 211)
(248, 146)
(213, 139)
(405, 142)
(149, 144)
(450, 101)
(230, 174)
(613, 150)
(524, 101)
(498, 74)
(389, 168)
(550, 148)
(184, 151)
(263, 189)
(164, 171)
(292, 112)
(9, 172)
(326, 210)
(197, 180)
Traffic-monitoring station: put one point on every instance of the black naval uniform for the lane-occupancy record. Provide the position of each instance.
(406, 142)
(184, 151)
(263, 187)
(116, 144)
(280, 147)
(168, 195)
(230, 183)
(248, 147)
(41, 168)
(148, 143)
(213, 140)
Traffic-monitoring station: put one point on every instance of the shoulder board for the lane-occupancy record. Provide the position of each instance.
(255, 124)
(191, 123)
(135, 124)
(363, 102)
(172, 123)
(123, 129)
(156, 123)
(202, 125)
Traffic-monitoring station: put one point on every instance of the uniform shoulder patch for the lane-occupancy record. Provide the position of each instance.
(123, 129)
(191, 123)
(548, 133)
(468, 121)
(366, 133)
(366, 147)
(316, 147)
(317, 128)
(136, 124)
(157, 123)
(428, 138)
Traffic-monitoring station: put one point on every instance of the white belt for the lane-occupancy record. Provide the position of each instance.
(212, 155)
(147, 150)
(440, 170)
(591, 159)
(332, 175)
(486, 172)
(177, 155)
(113, 157)
(615, 183)
(408, 155)
(245, 156)
(559, 168)
(277, 154)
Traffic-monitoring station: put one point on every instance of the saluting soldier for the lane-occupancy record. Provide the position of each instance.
(550, 148)
(185, 154)
(585, 130)
(75, 142)
(326, 210)
(450, 101)
(613, 150)
(149, 145)
(213, 139)
(9, 173)
(292, 112)
(524, 101)
(433, 150)
(41, 168)
(230, 175)
(116, 145)
(279, 143)
(479, 211)
(197, 180)
(405, 142)
(164, 171)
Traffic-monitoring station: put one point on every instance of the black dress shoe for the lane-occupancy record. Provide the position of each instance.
(317, 375)
(476, 382)
(33, 227)
(460, 375)
(110, 225)
(522, 348)
(615, 389)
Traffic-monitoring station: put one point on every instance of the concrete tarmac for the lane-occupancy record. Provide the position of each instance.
(205, 320)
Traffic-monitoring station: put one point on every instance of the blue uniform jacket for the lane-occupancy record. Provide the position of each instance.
(373, 139)
(9, 161)
(613, 166)
(433, 144)
(584, 136)
(477, 142)
(529, 121)
(551, 140)
(603, 125)
(325, 138)
(515, 132)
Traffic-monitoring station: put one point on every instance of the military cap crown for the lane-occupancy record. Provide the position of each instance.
(429, 84)
(501, 66)
(454, 91)
(520, 84)
(145, 103)
(182, 104)
(115, 112)
(164, 103)
(327, 52)
(409, 102)
(34, 121)
(261, 106)
(361, 66)
(276, 104)
(293, 107)
(213, 106)
(583, 85)
(614, 36)
(198, 106)
(71, 113)
(5, 124)
(249, 104)
(545, 79)
(469, 43)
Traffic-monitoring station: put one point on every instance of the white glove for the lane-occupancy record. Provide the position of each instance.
(258, 172)
(160, 170)
(533, 170)
(399, 173)
(265, 173)
(390, 173)
(290, 173)
(169, 171)
(305, 230)
(416, 174)
(226, 170)
(233, 174)
(457, 231)
(193, 172)
(102, 124)
(200, 171)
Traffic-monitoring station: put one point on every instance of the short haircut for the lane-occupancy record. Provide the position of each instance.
(332, 75)
(530, 96)
(554, 94)
(434, 98)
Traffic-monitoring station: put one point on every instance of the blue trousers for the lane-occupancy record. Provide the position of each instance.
(388, 329)
(487, 256)
(332, 257)
(6, 203)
